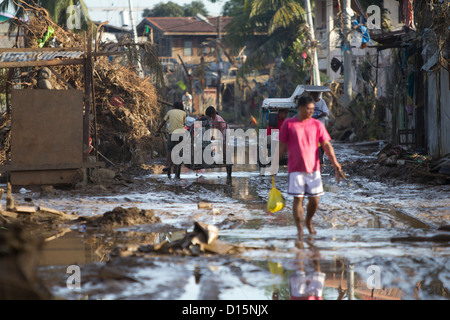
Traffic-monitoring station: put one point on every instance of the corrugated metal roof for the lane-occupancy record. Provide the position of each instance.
(173, 25)
(38, 56)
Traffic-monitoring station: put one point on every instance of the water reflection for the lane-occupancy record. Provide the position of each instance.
(310, 277)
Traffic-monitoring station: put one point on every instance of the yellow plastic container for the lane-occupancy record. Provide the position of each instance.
(276, 201)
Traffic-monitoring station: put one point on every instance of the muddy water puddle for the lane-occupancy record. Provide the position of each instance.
(355, 223)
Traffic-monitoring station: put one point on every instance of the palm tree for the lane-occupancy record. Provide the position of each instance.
(57, 9)
(270, 25)
(282, 13)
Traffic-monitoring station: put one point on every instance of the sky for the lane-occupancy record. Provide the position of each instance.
(113, 17)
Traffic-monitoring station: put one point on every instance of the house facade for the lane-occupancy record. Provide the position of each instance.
(185, 37)
(409, 67)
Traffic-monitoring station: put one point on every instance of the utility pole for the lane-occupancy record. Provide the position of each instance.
(347, 27)
(135, 35)
(316, 73)
(133, 23)
(220, 66)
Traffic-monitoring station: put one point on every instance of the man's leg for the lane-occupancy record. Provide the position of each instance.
(169, 153)
(298, 216)
(311, 208)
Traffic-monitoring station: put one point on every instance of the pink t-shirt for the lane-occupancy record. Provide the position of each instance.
(219, 123)
(302, 139)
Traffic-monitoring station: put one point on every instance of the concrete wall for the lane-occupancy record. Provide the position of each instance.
(445, 111)
(393, 13)
(431, 112)
(438, 113)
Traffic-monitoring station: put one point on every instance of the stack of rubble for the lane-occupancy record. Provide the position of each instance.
(127, 105)
(415, 164)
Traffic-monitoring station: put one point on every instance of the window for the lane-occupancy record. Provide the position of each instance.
(188, 51)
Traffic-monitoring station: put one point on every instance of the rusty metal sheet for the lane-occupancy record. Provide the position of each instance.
(38, 56)
(46, 131)
(46, 127)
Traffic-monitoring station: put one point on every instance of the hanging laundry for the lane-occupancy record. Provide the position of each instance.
(364, 31)
(408, 13)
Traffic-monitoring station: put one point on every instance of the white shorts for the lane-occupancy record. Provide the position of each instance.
(303, 184)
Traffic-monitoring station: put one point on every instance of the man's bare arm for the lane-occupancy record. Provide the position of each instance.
(329, 151)
(282, 150)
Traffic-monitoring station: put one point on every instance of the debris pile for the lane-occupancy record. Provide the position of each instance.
(395, 162)
(202, 240)
(121, 217)
(127, 109)
(126, 105)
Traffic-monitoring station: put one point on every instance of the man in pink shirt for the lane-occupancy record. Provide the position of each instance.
(300, 137)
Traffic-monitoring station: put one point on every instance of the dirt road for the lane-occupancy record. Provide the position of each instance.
(355, 224)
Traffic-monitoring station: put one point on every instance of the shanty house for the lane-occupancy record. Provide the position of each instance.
(183, 36)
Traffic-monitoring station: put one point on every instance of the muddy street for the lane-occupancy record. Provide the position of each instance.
(385, 231)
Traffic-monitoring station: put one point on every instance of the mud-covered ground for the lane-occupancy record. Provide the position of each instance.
(356, 223)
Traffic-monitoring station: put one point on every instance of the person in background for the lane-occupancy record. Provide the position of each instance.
(177, 120)
(321, 113)
(187, 102)
(282, 115)
(217, 122)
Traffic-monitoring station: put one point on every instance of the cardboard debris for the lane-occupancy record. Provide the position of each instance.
(204, 205)
(203, 239)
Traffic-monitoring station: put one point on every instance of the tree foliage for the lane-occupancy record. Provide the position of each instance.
(195, 7)
(233, 8)
(169, 9)
(268, 26)
(172, 9)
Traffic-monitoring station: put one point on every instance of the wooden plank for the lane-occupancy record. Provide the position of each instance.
(55, 62)
(88, 75)
(165, 103)
(49, 167)
(114, 53)
(61, 78)
(23, 209)
(39, 49)
(49, 177)
(60, 214)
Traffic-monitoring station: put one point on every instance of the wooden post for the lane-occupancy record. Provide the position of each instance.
(219, 71)
(87, 96)
(351, 282)
(94, 111)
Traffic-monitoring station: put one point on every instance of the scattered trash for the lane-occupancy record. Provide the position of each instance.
(214, 211)
(23, 190)
(204, 205)
(203, 239)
